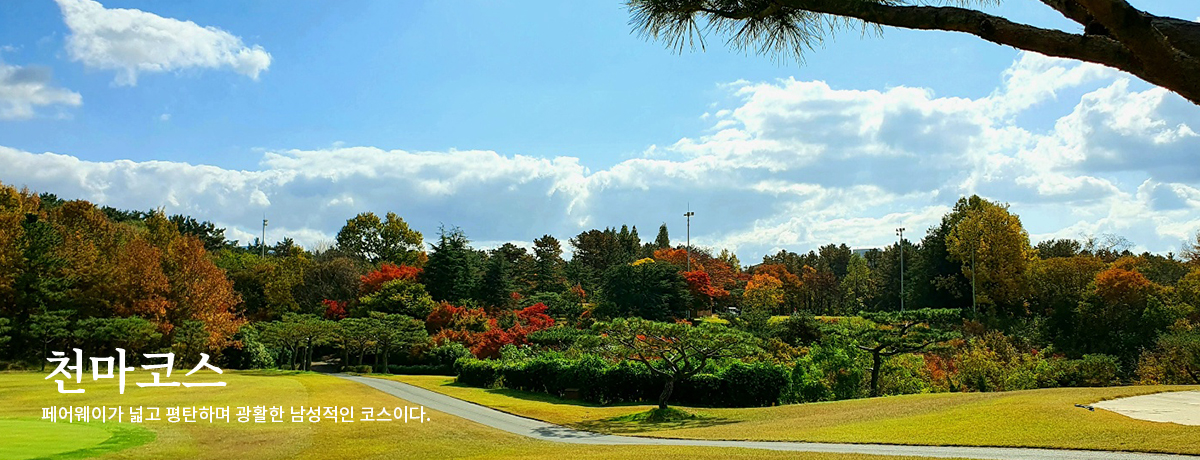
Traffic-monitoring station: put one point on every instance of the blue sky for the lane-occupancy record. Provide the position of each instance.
(465, 113)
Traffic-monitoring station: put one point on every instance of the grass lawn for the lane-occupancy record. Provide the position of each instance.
(1034, 418)
(24, 436)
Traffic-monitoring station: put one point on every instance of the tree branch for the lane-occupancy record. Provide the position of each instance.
(1162, 51)
(1071, 10)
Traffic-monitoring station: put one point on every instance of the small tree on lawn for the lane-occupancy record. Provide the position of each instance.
(394, 331)
(895, 333)
(674, 351)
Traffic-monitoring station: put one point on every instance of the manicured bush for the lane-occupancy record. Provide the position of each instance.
(478, 372)
(599, 381)
(446, 354)
(751, 385)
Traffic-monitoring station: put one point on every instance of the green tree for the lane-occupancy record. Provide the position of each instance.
(49, 328)
(1050, 249)
(285, 335)
(594, 252)
(386, 240)
(548, 265)
(1175, 359)
(1162, 50)
(399, 296)
(663, 240)
(453, 270)
(648, 290)
(212, 236)
(856, 285)
(101, 336)
(356, 337)
(673, 351)
(5, 330)
(396, 332)
(993, 249)
(893, 333)
(189, 340)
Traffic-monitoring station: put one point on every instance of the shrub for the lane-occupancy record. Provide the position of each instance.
(737, 384)
(808, 382)
(1095, 371)
(477, 372)
(905, 374)
(446, 354)
(980, 369)
(750, 385)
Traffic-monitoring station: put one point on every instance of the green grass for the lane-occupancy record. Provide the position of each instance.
(1035, 418)
(34, 438)
(22, 436)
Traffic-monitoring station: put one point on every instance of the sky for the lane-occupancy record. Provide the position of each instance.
(511, 120)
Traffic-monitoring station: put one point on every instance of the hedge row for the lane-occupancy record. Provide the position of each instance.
(736, 385)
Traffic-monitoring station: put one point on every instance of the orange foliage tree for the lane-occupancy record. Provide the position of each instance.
(485, 335)
(372, 282)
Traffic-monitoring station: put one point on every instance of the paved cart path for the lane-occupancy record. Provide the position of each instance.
(549, 432)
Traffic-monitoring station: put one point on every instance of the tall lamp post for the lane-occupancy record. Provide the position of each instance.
(262, 245)
(900, 233)
(689, 215)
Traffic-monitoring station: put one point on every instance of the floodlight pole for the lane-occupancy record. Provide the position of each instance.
(900, 232)
(262, 245)
(689, 215)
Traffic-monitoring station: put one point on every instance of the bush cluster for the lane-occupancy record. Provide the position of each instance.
(737, 384)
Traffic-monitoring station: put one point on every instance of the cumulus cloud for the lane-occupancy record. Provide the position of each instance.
(23, 89)
(788, 165)
(132, 41)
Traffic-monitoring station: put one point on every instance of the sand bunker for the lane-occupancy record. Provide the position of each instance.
(1182, 407)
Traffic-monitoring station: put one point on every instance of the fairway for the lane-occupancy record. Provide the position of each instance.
(1035, 418)
(26, 439)
(23, 394)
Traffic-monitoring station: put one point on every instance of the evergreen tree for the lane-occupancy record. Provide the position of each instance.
(452, 272)
(662, 241)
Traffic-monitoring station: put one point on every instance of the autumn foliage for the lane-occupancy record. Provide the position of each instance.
(483, 334)
(372, 282)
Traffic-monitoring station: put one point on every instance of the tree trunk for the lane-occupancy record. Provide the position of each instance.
(666, 393)
(385, 363)
(308, 355)
(45, 351)
(877, 366)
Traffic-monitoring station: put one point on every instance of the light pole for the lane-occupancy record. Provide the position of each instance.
(900, 233)
(689, 215)
(262, 245)
(974, 249)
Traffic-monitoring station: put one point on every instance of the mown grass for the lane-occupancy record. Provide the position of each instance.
(1036, 418)
(22, 395)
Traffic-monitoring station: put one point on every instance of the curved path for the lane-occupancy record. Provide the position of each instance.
(549, 432)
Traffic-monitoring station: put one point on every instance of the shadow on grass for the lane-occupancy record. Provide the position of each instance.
(653, 420)
(274, 372)
(536, 397)
(123, 437)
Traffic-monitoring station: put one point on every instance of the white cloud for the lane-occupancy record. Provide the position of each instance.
(132, 41)
(792, 164)
(23, 89)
